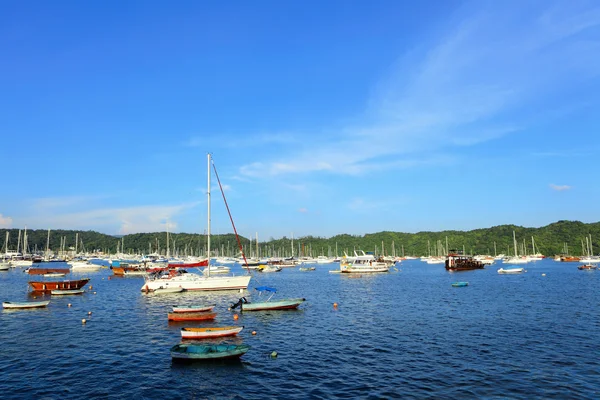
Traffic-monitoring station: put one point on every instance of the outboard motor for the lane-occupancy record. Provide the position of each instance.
(238, 304)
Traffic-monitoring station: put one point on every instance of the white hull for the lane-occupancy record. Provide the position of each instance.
(21, 263)
(84, 266)
(511, 270)
(517, 260)
(192, 281)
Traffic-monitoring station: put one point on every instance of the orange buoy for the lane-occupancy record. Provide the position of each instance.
(254, 332)
(335, 305)
(235, 316)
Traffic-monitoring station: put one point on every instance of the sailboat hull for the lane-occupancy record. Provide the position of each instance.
(199, 283)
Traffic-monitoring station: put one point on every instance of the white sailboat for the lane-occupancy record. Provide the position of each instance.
(515, 259)
(198, 282)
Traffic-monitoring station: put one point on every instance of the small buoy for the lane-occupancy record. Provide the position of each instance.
(83, 321)
(69, 305)
(274, 354)
(89, 313)
(334, 305)
(254, 332)
(543, 274)
(94, 292)
(235, 316)
(91, 287)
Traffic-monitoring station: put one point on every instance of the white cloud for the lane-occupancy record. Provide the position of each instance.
(123, 220)
(462, 89)
(5, 222)
(560, 188)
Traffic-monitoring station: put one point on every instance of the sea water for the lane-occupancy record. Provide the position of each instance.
(403, 334)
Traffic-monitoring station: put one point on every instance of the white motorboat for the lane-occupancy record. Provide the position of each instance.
(363, 263)
(511, 270)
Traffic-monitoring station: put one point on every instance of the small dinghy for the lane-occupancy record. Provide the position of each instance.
(193, 308)
(511, 270)
(205, 316)
(460, 284)
(67, 292)
(25, 304)
(285, 304)
(207, 333)
(198, 352)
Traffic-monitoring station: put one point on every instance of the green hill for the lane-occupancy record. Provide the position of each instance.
(549, 240)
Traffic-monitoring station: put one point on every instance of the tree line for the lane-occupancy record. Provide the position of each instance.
(556, 238)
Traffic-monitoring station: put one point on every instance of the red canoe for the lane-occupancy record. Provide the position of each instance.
(44, 271)
(48, 286)
(192, 316)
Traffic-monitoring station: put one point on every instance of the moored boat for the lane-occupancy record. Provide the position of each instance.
(47, 271)
(285, 304)
(207, 333)
(48, 286)
(193, 308)
(25, 304)
(587, 267)
(363, 263)
(202, 316)
(197, 352)
(67, 292)
(460, 284)
(511, 270)
(459, 262)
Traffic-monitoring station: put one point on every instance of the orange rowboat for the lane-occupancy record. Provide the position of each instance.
(207, 333)
(205, 316)
(48, 286)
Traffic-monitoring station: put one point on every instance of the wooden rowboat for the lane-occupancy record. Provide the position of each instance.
(67, 292)
(191, 316)
(193, 308)
(46, 271)
(198, 352)
(25, 304)
(48, 286)
(206, 333)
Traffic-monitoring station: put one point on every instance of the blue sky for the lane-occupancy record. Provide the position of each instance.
(322, 117)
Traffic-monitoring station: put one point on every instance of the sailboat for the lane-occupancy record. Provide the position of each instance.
(515, 259)
(174, 278)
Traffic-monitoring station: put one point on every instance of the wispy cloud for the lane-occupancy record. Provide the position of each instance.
(58, 212)
(5, 222)
(303, 210)
(560, 188)
(468, 87)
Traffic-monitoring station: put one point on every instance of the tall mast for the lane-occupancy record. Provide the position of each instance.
(167, 239)
(48, 246)
(292, 244)
(208, 214)
(515, 243)
(25, 245)
(19, 242)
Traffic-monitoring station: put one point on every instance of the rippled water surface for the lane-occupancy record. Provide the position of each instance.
(406, 334)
